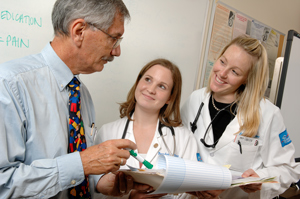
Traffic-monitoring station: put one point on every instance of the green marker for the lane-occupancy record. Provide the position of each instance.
(140, 159)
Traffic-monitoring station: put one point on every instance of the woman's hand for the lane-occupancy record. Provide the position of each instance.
(251, 187)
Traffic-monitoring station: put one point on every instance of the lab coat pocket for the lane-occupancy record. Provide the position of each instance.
(241, 157)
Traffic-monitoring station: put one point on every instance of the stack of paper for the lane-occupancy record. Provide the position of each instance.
(176, 175)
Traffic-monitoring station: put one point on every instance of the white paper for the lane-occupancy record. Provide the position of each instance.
(175, 175)
(187, 175)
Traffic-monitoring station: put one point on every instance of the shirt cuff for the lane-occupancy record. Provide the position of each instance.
(70, 170)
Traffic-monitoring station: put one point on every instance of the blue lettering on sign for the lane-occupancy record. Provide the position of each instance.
(16, 42)
(284, 138)
(21, 18)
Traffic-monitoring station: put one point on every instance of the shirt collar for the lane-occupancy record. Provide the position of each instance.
(60, 70)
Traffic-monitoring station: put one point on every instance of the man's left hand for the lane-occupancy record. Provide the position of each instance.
(118, 184)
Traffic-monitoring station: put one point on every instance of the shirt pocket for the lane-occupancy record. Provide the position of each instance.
(90, 134)
(241, 157)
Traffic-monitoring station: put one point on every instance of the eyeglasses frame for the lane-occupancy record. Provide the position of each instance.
(118, 40)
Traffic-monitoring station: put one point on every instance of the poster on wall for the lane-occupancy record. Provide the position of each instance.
(228, 24)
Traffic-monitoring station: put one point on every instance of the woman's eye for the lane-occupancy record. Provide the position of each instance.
(235, 72)
(162, 87)
(147, 79)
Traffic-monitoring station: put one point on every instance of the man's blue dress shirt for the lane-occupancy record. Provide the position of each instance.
(34, 160)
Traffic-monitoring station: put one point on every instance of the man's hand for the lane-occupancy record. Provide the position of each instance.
(251, 187)
(118, 184)
(106, 157)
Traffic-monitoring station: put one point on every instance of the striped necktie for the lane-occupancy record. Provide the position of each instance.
(77, 141)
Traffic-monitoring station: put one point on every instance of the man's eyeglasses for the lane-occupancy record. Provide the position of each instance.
(118, 40)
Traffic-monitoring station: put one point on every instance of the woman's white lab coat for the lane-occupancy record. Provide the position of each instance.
(186, 144)
(272, 155)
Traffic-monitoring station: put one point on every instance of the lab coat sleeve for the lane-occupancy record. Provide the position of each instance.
(278, 158)
(42, 178)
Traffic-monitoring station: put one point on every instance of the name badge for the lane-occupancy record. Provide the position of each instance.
(246, 141)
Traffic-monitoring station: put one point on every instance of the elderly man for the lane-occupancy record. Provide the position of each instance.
(47, 148)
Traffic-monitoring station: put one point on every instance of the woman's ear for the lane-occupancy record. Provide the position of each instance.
(167, 102)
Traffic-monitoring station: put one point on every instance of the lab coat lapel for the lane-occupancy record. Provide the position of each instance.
(129, 135)
(207, 120)
(228, 134)
(154, 147)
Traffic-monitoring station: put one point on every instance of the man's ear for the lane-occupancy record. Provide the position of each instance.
(77, 31)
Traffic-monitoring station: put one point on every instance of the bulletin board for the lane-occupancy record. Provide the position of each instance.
(228, 23)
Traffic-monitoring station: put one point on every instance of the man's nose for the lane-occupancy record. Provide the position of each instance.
(116, 51)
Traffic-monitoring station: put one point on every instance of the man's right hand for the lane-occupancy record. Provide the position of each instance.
(106, 157)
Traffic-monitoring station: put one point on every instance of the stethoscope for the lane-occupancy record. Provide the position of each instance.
(160, 126)
(193, 125)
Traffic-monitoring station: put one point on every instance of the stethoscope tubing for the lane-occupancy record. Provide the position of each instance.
(160, 126)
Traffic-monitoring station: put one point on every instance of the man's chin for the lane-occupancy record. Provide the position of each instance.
(100, 68)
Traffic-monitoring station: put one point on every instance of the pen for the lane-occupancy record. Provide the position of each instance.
(140, 159)
(92, 126)
(240, 144)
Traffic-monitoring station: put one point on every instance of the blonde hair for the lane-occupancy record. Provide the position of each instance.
(170, 113)
(248, 96)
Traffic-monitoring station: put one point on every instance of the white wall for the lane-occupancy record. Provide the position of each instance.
(171, 29)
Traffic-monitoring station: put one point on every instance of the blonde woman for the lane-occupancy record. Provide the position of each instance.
(237, 126)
